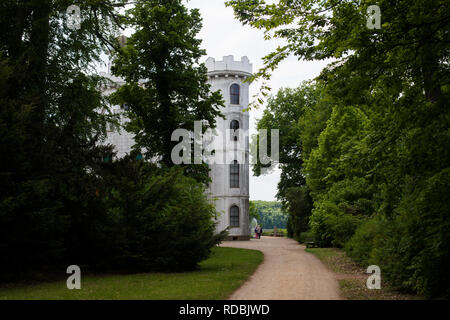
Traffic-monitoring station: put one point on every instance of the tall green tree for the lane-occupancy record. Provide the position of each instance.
(166, 86)
(411, 43)
(59, 199)
(50, 127)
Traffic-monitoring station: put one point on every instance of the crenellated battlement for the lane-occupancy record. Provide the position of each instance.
(229, 65)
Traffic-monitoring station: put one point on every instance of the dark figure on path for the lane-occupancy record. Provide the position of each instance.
(260, 232)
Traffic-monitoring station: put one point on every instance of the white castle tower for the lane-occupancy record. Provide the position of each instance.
(229, 188)
(230, 179)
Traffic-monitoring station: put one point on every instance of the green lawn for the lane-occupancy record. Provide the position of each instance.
(217, 278)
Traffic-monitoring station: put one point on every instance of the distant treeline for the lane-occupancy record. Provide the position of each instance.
(269, 214)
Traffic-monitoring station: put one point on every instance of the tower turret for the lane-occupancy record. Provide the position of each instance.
(230, 178)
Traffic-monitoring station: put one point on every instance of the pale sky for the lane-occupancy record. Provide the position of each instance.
(223, 35)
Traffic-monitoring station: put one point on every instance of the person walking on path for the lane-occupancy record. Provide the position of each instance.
(260, 231)
(257, 228)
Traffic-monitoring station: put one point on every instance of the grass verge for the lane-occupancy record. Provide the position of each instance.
(352, 277)
(217, 277)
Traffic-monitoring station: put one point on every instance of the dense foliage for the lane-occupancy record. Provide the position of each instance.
(49, 128)
(166, 85)
(374, 153)
(60, 202)
(157, 219)
(269, 214)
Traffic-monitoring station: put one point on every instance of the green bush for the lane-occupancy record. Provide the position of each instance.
(130, 216)
(50, 222)
(307, 236)
(342, 227)
(419, 238)
(162, 219)
(331, 226)
(338, 212)
(299, 205)
(367, 237)
(411, 247)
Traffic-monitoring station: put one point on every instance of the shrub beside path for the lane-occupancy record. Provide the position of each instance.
(287, 273)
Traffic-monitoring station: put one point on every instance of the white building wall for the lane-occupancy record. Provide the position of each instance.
(121, 139)
(222, 74)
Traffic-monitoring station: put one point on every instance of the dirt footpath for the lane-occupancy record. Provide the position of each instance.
(287, 273)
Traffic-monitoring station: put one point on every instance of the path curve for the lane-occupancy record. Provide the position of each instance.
(287, 273)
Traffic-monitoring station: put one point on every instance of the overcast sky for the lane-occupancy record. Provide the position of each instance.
(223, 35)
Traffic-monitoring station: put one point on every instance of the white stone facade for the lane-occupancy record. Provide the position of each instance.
(222, 75)
(121, 139)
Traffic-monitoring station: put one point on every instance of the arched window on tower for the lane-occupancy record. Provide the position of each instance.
(234, 174)
(234, 216)
(234, 93)
(234, 126)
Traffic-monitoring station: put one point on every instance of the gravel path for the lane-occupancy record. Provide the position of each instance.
(287, 273)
